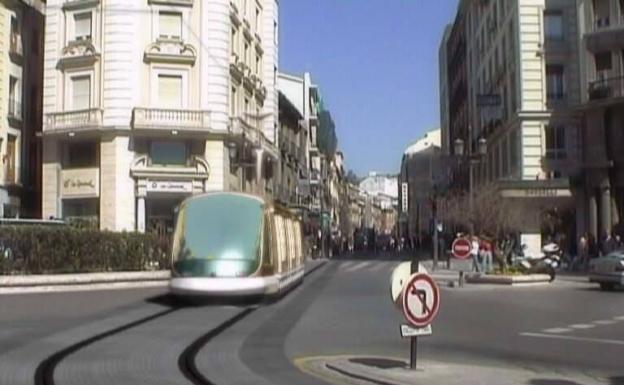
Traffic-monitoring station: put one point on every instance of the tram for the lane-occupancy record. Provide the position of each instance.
(233, 244)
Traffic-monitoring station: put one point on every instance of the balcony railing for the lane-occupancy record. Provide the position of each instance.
(168, 119)
(607, 22)
(79, 120)
(606, 88)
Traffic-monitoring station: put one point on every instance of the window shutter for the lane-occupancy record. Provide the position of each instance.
(170, 91)
(82, 26)
(81, 93)
(170, 25)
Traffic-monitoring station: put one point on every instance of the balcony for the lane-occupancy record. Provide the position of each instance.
(605, 89)
(155, 120)
(73, 121)
(172, 3)
(606, 34)
(16, 49)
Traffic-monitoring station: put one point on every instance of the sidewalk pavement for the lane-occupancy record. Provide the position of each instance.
(358, 370)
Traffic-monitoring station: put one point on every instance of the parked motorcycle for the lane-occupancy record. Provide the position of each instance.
(546, 263)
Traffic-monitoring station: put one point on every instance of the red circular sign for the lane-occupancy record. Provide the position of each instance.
(461, 248)
(421, 300)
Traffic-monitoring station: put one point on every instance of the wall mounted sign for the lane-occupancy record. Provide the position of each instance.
(80, 183)
(169, 186)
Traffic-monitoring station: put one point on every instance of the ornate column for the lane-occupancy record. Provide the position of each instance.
(605, 210)
(259, 158)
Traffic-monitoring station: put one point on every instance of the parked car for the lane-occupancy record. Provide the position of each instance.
(608, 270)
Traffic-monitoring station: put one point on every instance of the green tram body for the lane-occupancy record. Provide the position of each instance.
(229, 243)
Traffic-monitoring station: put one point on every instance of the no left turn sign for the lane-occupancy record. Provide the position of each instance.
(421, 300)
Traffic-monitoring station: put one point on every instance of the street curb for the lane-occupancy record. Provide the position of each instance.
(31, 284)
(513, 280)
(22, 284)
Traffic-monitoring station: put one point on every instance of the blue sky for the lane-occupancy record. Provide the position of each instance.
(376, 63)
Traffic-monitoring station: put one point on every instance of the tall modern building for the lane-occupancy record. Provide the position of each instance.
(602, 85)
(514, 80)
(147, 102)
(21, 84)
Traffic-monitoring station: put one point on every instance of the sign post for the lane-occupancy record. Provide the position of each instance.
(421, 302)
(461, 250)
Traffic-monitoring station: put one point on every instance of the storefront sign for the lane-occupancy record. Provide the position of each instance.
(80, 183)
(537, 193)
(169, 187)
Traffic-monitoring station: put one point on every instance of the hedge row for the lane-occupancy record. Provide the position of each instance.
(53, 250)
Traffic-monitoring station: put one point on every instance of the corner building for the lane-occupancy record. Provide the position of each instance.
(147, 102)
(514, 80)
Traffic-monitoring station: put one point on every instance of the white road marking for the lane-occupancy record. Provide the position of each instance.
(620, 318)
(347, 265)
(572, 338)
(378, 266)
(605, 322)
(357, 267)
(557, 330)
(582, 326)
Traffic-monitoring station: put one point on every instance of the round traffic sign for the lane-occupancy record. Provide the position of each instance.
(400, 275)
(421, 300)
(461, 248)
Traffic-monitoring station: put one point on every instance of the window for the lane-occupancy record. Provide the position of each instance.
(233, 102)
(82, 26)
(86, 211)
(82, 155)
(275, 32)
(81, 92)
(257, 64)
(170, 25)
(554, 82)
(14, 103)
(170, 91)
(165, 153)
(555, 142)
(10, 162)
(553, 25)
(234, 41)
(247, 105)
(603, 61)
(257, 26)
(246, 53)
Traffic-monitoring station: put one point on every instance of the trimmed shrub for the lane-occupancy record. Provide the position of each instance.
(53, 250)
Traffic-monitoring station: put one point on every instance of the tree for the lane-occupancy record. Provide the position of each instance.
(492, 217)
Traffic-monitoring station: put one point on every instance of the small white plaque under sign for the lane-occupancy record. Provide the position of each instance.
(408, 331)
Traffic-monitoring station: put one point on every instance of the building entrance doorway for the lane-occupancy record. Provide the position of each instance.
(160, 215)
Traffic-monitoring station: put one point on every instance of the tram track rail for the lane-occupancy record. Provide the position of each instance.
(44, 373)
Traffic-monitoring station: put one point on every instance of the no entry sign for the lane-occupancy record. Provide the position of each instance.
(461, 248)
(421, 300)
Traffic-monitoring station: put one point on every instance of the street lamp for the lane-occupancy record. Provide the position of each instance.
(472, 159)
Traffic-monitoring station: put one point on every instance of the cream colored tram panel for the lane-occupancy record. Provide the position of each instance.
(280, 235)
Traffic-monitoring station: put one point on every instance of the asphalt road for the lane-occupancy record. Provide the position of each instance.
(139, 337)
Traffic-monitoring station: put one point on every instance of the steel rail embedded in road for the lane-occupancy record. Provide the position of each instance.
(44, 374)
(186, 361)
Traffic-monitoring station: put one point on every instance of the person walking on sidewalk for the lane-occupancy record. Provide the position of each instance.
(486, 255)
(474, 253)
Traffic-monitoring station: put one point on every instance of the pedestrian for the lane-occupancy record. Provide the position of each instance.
(618, 242)
(582, 259)
(474, 253)
(486, 255)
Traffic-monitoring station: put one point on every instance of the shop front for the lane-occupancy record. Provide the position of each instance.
(80, 196)
(548, 212)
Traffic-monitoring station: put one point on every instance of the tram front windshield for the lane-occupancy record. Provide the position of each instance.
(218, 236)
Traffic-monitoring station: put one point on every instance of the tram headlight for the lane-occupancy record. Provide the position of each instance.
(227, 268)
